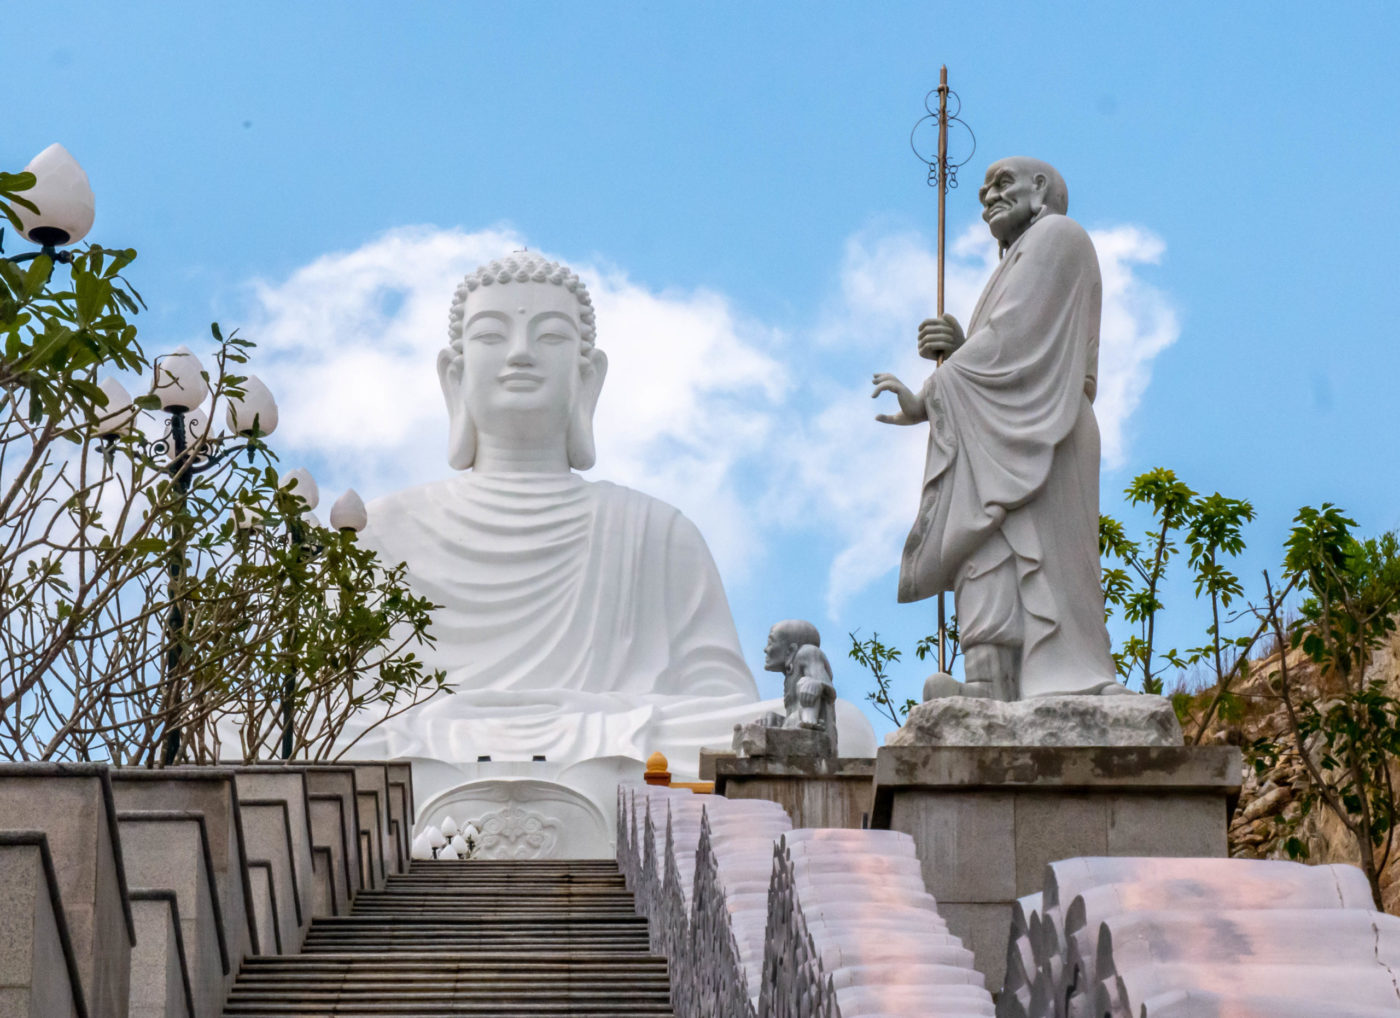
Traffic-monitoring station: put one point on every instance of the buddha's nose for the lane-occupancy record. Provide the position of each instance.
(518, 353)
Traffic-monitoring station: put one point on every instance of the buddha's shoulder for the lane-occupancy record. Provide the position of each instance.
(409, 501)
(620, 497)
(429, 500)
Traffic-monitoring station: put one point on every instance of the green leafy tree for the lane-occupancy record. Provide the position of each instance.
(1212, 529)
(1135, 584)
(876, 658)
(135, 612)
(1346, 732)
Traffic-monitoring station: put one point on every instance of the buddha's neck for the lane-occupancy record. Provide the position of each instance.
(495, 455)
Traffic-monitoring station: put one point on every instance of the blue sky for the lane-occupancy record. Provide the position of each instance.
(736, 180)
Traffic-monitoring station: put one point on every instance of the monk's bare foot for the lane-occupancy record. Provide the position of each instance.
(1114, 689)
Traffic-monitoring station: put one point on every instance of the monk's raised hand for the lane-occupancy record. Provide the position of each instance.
(911, 408)
(938, 337)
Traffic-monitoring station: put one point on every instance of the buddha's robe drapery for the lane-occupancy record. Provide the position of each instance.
(580, 619)
(1012, 471)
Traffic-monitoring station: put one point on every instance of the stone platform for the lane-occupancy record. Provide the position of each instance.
(815, 791)
(987, 819)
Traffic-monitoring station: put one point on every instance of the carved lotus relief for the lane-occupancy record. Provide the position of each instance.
(513, 832)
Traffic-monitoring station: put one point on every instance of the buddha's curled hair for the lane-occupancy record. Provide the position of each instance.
(522, 267)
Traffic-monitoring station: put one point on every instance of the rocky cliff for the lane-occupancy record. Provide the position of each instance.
(1269, 803)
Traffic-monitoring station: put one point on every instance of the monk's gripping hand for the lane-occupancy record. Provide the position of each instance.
(938, 337)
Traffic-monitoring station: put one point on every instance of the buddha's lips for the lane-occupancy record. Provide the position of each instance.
(520, 376)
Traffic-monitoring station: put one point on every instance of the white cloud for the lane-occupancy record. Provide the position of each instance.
(1138, 324)
(701, 401)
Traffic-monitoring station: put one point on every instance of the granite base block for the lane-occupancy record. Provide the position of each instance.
(72, 805)
(986, 820)
(370, 805)
(815, 791)
(160, 980)
(757, 739)
(285, 783)
(267, 827)
(38, 968)
(374, 777)
(168, 853)
(209, 792)
(331, 789)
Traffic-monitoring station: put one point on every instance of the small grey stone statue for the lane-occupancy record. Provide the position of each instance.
(808, 725)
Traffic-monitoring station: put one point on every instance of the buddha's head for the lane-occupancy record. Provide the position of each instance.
(522, 368)
(1018, 191)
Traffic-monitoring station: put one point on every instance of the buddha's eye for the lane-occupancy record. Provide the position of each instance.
(488, 336)
(553, 337)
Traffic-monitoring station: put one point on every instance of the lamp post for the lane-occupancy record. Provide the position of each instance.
(347, 515)
(184, 450)
(303, 485)
(63, 206)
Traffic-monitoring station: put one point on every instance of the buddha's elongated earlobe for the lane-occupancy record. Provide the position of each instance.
(461, 429)
(578, 442)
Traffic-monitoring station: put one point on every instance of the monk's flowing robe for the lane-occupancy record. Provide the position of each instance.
(580, 619)
(1011, 480)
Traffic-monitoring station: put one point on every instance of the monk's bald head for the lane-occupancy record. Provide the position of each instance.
(1056, 191)
(1017, 191)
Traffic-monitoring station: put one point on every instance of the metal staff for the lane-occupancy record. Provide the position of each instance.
(943, 175)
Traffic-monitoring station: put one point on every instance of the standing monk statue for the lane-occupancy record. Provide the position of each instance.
(1009, 511)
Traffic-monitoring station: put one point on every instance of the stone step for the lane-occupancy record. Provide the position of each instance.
(504, 939)
(537, 962)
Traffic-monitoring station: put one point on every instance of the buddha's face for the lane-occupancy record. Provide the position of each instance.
(520, 356)
(1009, 199)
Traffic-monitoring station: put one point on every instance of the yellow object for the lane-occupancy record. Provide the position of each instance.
(656, 773)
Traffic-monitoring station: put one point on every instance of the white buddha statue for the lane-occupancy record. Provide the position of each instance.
(580, 620)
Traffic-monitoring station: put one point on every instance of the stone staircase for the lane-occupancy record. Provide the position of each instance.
(506, 939)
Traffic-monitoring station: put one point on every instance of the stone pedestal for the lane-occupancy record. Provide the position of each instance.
(761, 739)
(986, 819)
(815, 791)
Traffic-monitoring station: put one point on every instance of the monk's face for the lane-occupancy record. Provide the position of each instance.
(1009, 199)
(776, 651)
(520, 356)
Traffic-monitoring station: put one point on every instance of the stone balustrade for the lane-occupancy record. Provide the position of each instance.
(782, 922)
(852, 932)
(1161, 938)
(137, 893)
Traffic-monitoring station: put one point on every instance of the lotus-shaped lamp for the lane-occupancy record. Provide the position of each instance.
(247, 518)
(118, 416)
(254, 411)
(63, 197)
(448, 826)
(422, 847)
(180, 383)
(435, 837)
(301, 484)
(348, 513)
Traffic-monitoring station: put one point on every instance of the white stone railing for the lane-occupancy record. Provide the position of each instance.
(1162, 938)
(852, 932)
(780, 923)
